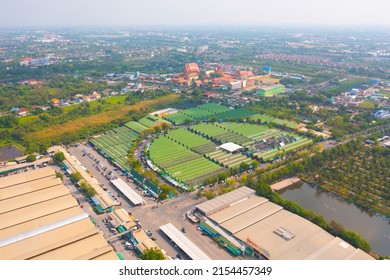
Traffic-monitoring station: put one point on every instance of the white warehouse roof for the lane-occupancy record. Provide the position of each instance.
(230, 147)
(126, 190)
(183, 242)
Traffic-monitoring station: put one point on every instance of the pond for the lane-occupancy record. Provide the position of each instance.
(375, 228)
(9, 152)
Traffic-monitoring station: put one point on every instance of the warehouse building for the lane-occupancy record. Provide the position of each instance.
(39, 219)
(143, 242)
(266, 230)
(128, 192)
(270, 90)
(184, 243)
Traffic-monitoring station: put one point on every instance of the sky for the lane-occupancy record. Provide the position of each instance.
(210, 13)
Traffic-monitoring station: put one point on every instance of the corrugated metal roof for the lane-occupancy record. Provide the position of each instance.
(126, 190)
(216, 204)
(183, 242)
(39, 219)
(237, 209)
(250, 216)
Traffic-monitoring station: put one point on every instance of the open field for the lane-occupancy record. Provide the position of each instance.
(213, 108)
(136, 126)
(221, 134)
(165, 153)
(248, 130)
(234, 114)
(200, 112)
(116, 144)
(178, 118)
(57, 132)
(28, 120)
(187, 138)
(197, 113)
(109, 102)
(151, 121)
(180, 163)
(268, 119)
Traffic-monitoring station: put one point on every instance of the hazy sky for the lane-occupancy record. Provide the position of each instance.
(194, 12)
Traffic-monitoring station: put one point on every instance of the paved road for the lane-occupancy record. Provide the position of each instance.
(172, 211)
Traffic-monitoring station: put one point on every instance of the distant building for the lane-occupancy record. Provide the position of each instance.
(31, 82)
(208, 94)
(55, 101)
(25, 61)
(267, 69)
(382, 114)
(244, 74)
(95, 95)
(22, 112)
(271, 90)
(191, 70)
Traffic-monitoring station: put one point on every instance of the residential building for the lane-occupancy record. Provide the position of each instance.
(23, 112)
(382, 114)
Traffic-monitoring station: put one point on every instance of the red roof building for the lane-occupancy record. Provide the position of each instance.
(244, 74)
(23, 112)
(191, 70)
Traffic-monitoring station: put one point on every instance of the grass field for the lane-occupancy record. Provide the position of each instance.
(234, 114)
(165, 153)
(136, 126)
(268, 119)
(178, 118)
(57, 132)
(213, 108)
(109, 102)
(116, 144)
(200, 112)
(248, 130)
(187, 138)
(221, 134)
(180, 163)
(208, 129)
(28, 120)
(197, 113)
(151, 121)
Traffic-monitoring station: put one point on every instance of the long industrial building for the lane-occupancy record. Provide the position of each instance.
(184, 243)
(128, 192)
(267, 230)
(39, 219)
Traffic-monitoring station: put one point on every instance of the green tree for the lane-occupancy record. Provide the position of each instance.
(209, 194)
(59, 157)
(31, 158)
(88, 190)
(152, 254)
(76, 176)
(60, 175)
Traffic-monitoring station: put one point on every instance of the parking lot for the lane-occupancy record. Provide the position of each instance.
(151, 215)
